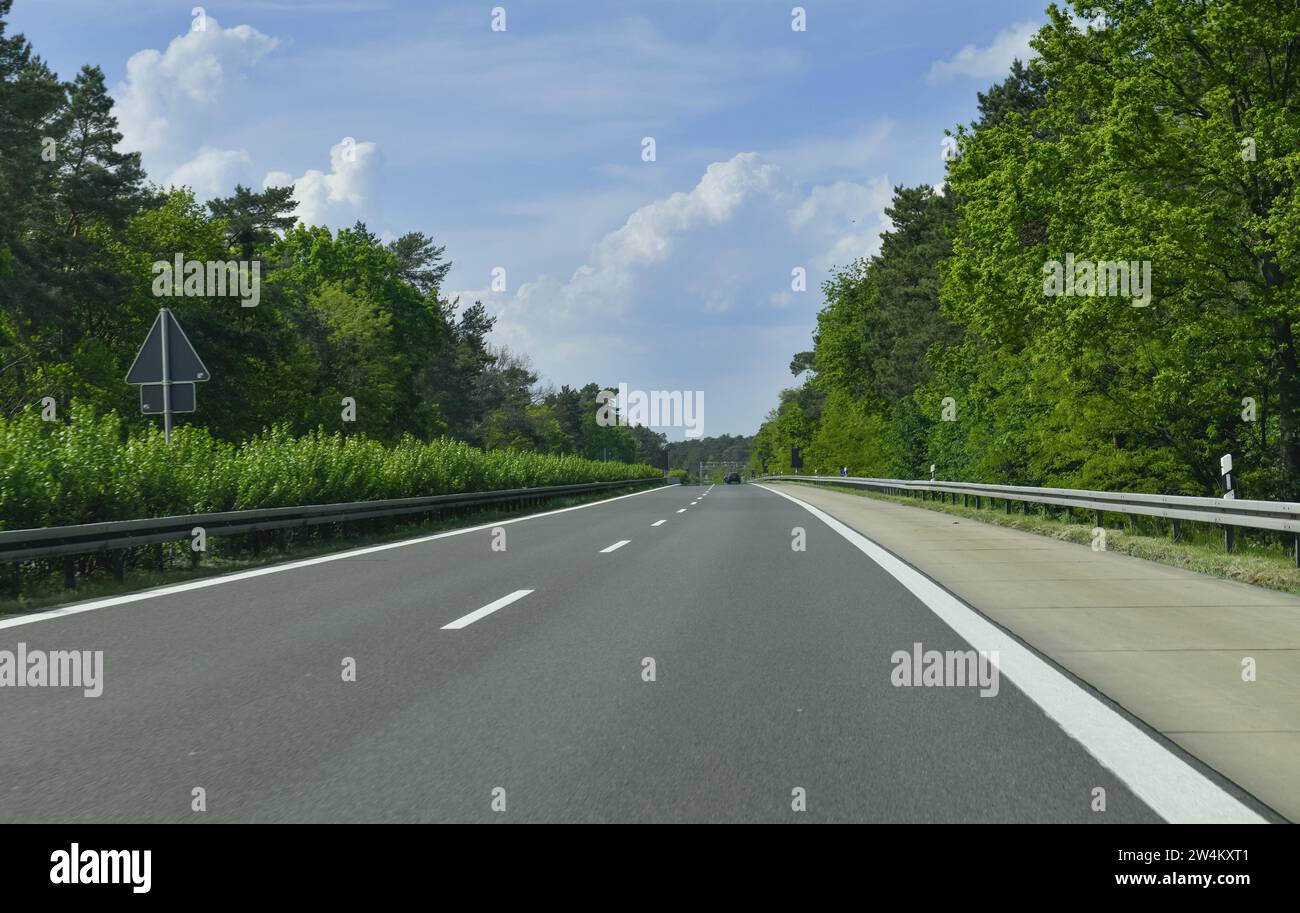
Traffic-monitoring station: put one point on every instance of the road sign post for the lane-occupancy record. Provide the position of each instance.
(165, 361)
(166, 384)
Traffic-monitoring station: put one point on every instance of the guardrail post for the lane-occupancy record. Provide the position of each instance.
(1177, 530)
(1101, 520)
(978, 504)
(1008, 501)
(1228, 539)
(69, 572)
(1295, 549)
(117, 563)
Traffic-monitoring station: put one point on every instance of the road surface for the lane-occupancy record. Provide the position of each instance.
(489, 678)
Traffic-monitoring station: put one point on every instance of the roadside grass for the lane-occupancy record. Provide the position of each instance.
(48, 592)
(1258, 557)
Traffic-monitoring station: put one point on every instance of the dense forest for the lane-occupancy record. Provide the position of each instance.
(339, 313)
(1162, 136)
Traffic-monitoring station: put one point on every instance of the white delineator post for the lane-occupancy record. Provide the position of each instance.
(1225, 473)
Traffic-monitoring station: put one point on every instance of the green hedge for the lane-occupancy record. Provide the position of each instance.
(90, 468)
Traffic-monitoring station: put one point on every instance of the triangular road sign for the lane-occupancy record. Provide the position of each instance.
(183, 363)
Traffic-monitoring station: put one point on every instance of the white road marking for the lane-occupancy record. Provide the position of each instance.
(682, 511)
(1174, 789)
(659, 523)
(78, 608)
(615, 547)
(466, 620)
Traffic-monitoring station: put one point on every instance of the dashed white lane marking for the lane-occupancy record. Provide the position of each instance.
(78, 608)
(682, 511)
(615, 547)
(488, 609)
(659, 523)
(1173, 789)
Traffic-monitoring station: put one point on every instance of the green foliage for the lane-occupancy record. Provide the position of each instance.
(340, 313)
(1128, 138)
(91, 468)
(850, 434)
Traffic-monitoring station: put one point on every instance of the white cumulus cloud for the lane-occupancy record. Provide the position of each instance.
(212, 172)
(693, 290)
(175, 101)
(987, 62)
(338, 197)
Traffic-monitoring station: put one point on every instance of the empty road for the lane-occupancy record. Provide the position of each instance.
(502, 676)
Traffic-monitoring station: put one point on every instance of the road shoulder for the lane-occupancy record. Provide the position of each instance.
(1168, 645)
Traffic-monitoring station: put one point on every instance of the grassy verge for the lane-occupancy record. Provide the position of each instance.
(1258, 557)
(49, 592)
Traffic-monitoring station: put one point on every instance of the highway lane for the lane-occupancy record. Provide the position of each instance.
(772, 673)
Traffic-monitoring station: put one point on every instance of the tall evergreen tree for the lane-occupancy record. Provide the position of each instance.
(254, 219)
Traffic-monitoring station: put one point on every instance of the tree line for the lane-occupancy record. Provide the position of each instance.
(339, 313)
(1002, 332)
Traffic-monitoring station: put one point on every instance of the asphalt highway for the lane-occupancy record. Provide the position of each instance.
(511, 686)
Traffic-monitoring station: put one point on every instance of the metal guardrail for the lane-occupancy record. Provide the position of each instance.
(1281, 516)
(29, 544)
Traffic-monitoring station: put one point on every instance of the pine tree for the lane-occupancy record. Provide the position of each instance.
(254, 219)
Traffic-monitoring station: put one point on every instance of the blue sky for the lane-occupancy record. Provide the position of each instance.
(522, 150)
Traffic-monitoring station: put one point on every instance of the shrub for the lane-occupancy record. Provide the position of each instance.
(91, 468)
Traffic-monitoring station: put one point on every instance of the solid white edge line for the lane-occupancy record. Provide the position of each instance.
(615, 547)
(1172, 788)
(466, 620)
(78, 608)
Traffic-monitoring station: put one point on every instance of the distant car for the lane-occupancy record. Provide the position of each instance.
(733, 479)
